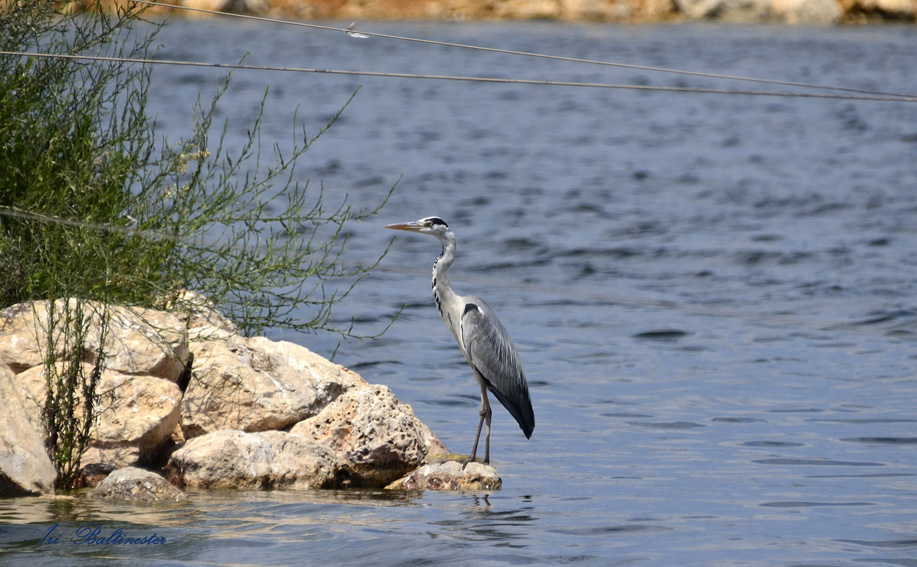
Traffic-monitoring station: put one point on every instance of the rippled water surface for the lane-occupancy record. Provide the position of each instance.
(713, 296)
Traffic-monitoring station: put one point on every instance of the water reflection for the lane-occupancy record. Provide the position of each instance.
(480, 521)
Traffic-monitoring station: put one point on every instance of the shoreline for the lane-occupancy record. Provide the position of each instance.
(789, 12)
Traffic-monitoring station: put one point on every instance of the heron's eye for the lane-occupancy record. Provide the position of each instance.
(427, 224)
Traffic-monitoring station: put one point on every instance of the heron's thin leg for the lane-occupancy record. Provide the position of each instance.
(487, 432)
(485, 414)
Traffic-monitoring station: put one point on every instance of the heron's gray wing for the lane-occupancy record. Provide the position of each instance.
(493, 354)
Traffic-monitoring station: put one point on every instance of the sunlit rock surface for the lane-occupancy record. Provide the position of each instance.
(137, 485)
(450, 475)
(25, 468)
(269, 459)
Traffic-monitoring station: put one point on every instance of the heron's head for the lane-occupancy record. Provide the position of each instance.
(429, 225)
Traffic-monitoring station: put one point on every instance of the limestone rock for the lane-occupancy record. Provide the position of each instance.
(376, 437)
(819, 12)
(730, 10)
(257, 385)
(616, 10)
(236, 459)
(25, 468)
(900, 9)
(137, 485)
(807, 12)
(138, 415)
(527, 9)
(435, 448)
(200, 316)
(139, 341)
(450, 475)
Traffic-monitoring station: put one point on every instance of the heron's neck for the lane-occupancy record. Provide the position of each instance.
(442, 289)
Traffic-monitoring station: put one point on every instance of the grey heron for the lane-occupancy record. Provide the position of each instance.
(484, 342)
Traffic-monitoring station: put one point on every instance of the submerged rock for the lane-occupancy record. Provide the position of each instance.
(137, 485)
(450, 475)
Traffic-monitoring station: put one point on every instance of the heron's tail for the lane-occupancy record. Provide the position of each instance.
(520, 408)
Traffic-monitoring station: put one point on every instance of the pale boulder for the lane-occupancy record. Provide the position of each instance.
(376, 437)
(135, 419)
(137, 485)
(25, 468)
(138, 341)
(807, 12)
(527, 9)
(200, 316)
(269, 459)
(729, 10)
(450, 475)
(257, 385)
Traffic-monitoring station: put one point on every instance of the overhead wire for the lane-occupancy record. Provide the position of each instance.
(495, 80)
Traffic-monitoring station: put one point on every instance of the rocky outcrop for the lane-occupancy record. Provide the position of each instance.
(25, 468)
(184, 390)
(450, 475)
(236, 459)
(137, 485)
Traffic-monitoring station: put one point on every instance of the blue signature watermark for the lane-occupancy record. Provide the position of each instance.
(94, 534)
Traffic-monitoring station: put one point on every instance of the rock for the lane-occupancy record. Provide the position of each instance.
(139, 341)
(616, 11)
(893, 9)
(25, 468)
(527, 9)
(257, 385)
(137, 417)
(376, 437)
(200, 316)
(435, 447)
(450, 475)
(807, 12)
(137, 485)
(728, 10)
(236, 459)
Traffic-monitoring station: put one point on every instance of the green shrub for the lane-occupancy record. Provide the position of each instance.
(93, 205)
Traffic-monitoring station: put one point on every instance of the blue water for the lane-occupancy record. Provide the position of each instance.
(713, 296)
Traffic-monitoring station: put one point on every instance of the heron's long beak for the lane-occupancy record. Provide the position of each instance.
(409, 226)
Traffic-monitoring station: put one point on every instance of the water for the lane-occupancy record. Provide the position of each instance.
(714, 298)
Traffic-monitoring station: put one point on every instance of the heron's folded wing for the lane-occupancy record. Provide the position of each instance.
(494, 356)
